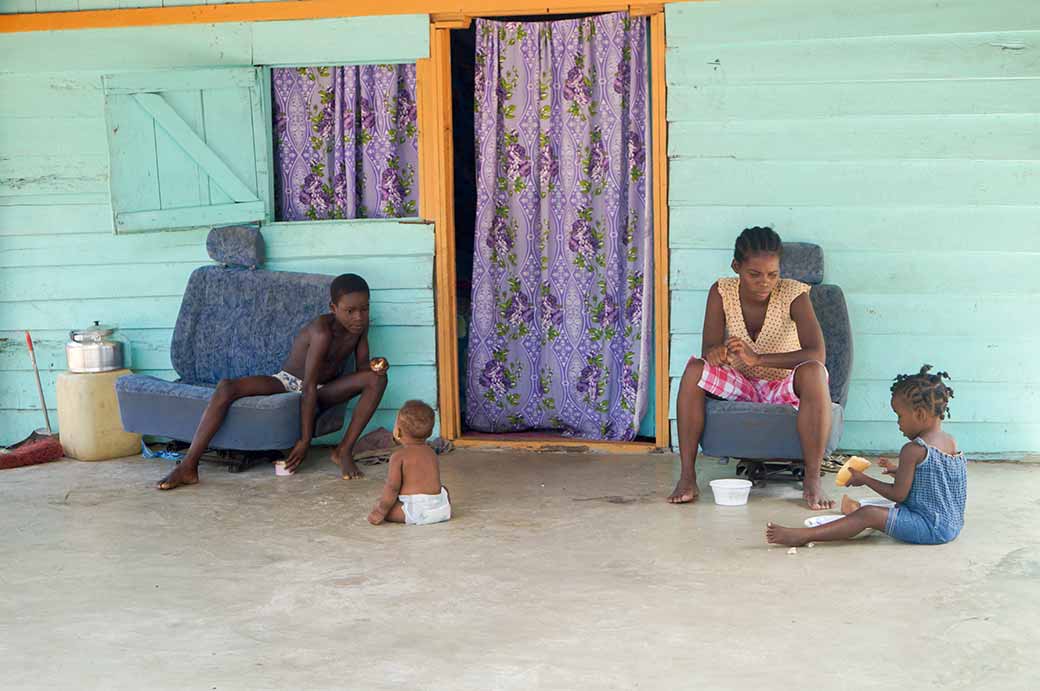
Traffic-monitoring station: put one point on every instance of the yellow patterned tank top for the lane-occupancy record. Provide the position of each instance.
(779, 333)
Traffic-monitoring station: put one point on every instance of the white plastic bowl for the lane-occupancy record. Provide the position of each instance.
(731, 492)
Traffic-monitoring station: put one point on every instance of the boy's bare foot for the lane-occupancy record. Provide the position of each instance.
(347, 467)
(848, 504)
(375, 517)
(815, 497)
(685, 492)
(182, 475)
(792, 537)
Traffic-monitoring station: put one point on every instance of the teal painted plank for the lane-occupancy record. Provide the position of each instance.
(61, 94)
(220, 173)
(182, 183)
(181, 80)
(999, 440)
(404, 272)
(53, 174)
(977, 440)
(98, 4)
(979, 137)
(229, 138)
(988, 403)
(861, 227)
(906, 314)
(190, 217)
(97, 281)
(263, 143)
(922, 271)
(748, 21)
(55, 199)
(398, 38)
(164, 279)
(137, 48)
(979, 359)
(389, 308)
(346, 238)
(131, 142)
(57, 5)
(91, 249)
(953, 56)
(48, 136)
(870, 183)
(17, 6)
(55, 220)
(690, 100)
(140, 3)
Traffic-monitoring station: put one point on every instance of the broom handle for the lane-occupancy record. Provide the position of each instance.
(39, 385)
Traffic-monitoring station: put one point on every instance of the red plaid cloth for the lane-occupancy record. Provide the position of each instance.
(732, 385)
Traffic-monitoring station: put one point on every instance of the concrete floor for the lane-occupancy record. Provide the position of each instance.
(559, 572)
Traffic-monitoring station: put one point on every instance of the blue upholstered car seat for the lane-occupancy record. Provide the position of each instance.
(235, 320)
(761, 431)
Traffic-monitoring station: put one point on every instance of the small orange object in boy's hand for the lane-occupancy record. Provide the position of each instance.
(379, 364)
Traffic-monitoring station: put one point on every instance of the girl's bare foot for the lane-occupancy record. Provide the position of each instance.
(814, 496)
(792, 537)
(183, 474)
(348, 469)
(685, 492)
(848, 504)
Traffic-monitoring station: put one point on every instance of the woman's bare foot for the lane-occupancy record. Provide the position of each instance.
(815, 497)
(792, 537)
(685, 492)
(347, 468)
(848, 504)
(183, 474)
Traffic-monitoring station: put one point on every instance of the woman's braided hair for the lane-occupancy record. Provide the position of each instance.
(754, 240)
(925, 391)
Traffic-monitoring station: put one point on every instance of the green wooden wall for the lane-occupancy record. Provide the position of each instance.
(61, 265)
(904, 137)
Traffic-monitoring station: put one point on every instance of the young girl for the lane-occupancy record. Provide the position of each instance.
(761, 343)
(931, 479)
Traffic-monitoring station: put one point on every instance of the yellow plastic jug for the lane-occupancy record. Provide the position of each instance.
(88, 417)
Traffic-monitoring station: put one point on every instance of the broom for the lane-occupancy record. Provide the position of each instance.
(37, 447)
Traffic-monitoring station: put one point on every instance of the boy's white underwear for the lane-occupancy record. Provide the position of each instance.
(424, 509)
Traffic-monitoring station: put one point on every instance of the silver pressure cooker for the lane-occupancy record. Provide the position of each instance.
(96, 349)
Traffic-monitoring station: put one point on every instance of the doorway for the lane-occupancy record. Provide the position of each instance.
(458, 48)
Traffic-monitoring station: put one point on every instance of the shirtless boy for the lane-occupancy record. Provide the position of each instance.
(313, 368)
(413, 493)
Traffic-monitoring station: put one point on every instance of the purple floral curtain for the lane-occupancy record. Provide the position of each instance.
(560, 334)
(345, 142)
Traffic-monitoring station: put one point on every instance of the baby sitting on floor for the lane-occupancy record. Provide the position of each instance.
(413, 493)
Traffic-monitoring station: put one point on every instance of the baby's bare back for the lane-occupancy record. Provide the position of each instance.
(420, 470)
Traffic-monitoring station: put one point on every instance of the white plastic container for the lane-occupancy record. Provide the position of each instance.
(280, 470)
(730, 492)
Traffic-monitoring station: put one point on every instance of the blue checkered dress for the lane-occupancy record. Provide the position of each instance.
(933, 512)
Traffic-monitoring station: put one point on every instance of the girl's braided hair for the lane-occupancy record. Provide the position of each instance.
(754, 240)
(925, 391)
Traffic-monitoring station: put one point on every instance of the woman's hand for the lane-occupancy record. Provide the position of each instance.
(857, 478)
(717, 356)
(742, 349)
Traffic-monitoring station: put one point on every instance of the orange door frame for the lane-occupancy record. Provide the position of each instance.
(438, 204)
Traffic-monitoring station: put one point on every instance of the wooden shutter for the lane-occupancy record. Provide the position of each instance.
(187, 148)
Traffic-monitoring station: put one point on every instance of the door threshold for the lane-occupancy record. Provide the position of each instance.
(562, 444)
